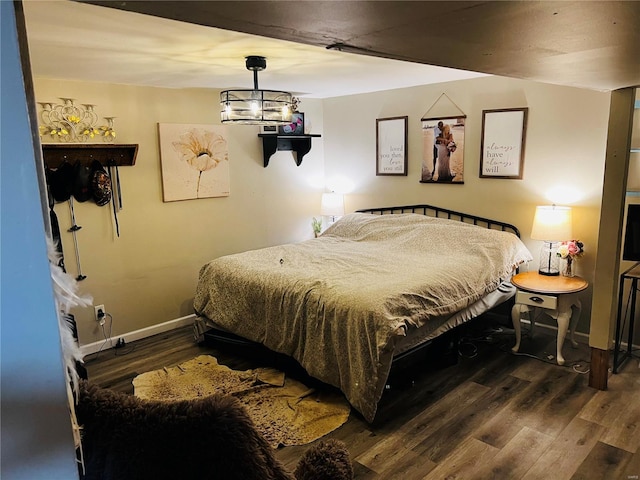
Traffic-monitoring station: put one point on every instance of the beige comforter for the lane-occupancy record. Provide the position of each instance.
(338, 303)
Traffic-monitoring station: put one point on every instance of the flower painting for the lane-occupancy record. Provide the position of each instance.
(195, 161)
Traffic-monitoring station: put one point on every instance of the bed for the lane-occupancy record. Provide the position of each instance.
(376, 284)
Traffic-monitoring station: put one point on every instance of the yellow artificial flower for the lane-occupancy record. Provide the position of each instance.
(92, 132)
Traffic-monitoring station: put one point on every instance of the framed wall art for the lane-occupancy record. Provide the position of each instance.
(443, 150)
(268, 128)
(391, 146)
(296, 127)
(502, 144)
(195, 161)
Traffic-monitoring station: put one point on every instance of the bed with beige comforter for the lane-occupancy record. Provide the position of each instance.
(339, 303)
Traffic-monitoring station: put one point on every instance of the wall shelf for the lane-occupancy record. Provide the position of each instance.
(109, 155)
(272, 142)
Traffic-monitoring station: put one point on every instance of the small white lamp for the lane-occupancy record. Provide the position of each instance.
(551, 224)
(332, 205)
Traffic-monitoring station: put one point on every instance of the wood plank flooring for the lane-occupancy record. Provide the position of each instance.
(493, 415)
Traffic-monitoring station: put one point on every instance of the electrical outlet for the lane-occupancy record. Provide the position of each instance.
(99, 313)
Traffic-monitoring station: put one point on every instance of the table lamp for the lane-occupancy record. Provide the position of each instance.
(332, 205)
(551, 224)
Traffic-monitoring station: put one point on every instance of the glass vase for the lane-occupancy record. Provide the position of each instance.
(568, 267)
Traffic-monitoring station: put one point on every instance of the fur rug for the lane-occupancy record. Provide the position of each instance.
(286, 412)
(126, 438)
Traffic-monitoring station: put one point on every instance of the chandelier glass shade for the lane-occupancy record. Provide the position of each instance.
(255, 106)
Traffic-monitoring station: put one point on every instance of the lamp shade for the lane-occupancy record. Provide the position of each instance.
(552, 223)
(332, 205)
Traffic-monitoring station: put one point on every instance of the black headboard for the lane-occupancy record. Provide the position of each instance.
(431, 211)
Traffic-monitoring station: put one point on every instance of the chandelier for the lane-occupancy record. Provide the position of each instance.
(67, 122)
(255, 107)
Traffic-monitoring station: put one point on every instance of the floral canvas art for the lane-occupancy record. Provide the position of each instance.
(195, 161)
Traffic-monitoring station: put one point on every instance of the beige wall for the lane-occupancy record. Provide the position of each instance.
(148, 275)
(565, 149)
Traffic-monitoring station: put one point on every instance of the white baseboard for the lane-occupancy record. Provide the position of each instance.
(94, 347)
(585, 336)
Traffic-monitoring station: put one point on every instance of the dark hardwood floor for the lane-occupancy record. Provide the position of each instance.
(492, 415)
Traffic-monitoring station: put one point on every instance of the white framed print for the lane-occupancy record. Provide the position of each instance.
(502, 144)
(391, 146)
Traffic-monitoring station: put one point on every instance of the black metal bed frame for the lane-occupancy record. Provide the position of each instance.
(438, 212)
(451, 338)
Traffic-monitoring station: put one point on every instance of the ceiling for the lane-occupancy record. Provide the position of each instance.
(332, 48)
(69, 40)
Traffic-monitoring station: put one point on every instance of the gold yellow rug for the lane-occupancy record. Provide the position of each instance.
(284, 410)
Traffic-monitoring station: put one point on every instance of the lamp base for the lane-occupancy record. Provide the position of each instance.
(549, 273)
(549, 259)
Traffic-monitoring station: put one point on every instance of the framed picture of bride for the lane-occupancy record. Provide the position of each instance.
(443, 150)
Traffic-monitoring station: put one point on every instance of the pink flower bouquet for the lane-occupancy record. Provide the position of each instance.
(571, 249)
